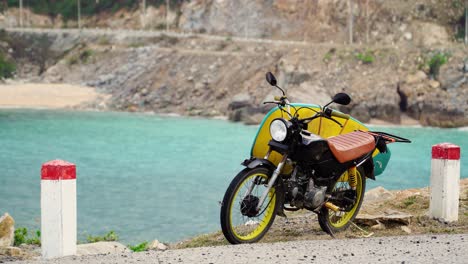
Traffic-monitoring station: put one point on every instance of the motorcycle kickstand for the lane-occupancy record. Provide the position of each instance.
(330, 233)
(366, 234)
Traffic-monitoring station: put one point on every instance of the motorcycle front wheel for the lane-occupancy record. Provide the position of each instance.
(240, 220)
(331, 221)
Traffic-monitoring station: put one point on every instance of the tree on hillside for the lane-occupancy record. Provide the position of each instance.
(466, 22)
(68, 8)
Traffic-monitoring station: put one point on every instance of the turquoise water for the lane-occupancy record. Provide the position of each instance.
(150, 177)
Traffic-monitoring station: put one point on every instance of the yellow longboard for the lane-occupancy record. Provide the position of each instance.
(320, 126)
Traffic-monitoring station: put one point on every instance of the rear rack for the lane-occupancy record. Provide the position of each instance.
(389, 137)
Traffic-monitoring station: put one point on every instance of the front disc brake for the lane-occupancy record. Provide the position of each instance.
(249, 205)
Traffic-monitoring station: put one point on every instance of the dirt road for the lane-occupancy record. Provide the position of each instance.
(402, 249)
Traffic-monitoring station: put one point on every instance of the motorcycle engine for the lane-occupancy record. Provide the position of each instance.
(302, 191)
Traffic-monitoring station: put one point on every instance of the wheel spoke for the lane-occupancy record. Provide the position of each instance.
(242, 225)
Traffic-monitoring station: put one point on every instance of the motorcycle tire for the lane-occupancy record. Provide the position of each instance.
(330, 222)
(240, 221)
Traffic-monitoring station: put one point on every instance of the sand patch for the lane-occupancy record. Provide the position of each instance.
(44, 95)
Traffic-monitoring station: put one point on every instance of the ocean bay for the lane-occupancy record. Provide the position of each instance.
(151, 177)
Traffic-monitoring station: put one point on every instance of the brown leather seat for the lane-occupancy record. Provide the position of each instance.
(351, 146)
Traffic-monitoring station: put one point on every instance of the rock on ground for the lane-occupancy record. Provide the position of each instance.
(156, 245)
(101, 248)
(7, 230)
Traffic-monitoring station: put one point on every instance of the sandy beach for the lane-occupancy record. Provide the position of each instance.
(50, 96)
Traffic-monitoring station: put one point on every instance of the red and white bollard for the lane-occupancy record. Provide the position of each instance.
(445, 182)
(58, 209)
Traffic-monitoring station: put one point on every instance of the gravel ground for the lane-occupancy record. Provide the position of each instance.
(403, 249)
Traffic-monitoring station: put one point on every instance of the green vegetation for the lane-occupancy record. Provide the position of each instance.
(366, 57)
(436, 61)
(83, 56)
(68, 8)
(21, 237)
(329, 55)
(207, 240)
(409, 201)
(103, 40)
(7, 68)
(111, 236)
(140, 247)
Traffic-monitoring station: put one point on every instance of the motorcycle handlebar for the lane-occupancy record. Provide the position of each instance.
(339, 114)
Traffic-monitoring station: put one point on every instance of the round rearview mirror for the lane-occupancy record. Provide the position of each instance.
(342, 99)
(271, 79)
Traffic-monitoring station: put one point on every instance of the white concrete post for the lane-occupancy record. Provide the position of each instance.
(58, 209)
(445, 182)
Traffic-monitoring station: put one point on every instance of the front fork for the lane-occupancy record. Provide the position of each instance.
(272, 181)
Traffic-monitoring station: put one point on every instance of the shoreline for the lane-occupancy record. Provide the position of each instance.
(61, 96)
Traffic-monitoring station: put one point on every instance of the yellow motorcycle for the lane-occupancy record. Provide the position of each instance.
(304, 156)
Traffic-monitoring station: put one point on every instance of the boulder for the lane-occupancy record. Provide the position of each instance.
(7, 230)
(429, 34)
(156, 245)
(378, 194)
(451, 76)
(239, 101)
(103, 247)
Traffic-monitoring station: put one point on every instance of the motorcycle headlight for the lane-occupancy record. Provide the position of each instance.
(278, 130)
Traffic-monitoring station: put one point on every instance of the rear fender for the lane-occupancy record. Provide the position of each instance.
(368, 167)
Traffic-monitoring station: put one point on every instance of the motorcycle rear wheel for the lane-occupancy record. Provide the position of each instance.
(333, 222)
(240, 222)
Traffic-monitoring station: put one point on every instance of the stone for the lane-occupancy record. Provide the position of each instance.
(419, 76)
(7, 230)
(408, 36)
(378, 226)
(434, 84)
(104, 247)
(451, 77)
(406, 229)
(156, 245)
(11, 251)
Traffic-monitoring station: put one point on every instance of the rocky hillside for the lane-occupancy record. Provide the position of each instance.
(412, 64)
(374, 21)
(198, 75)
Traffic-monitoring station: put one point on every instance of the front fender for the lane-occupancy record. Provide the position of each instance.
(258, 162)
